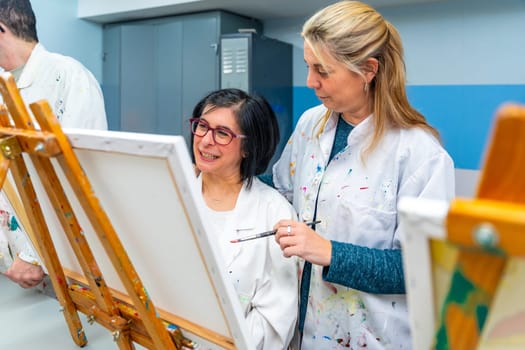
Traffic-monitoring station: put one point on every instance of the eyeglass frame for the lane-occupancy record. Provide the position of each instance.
(220, 128)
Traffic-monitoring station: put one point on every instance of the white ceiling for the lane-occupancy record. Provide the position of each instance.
(274, 9)
(260, 9)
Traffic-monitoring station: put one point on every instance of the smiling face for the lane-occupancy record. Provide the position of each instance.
(223, 161)
(336, 86)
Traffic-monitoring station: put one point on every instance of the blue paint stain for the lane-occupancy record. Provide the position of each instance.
(13, 224)
(171, 326)
(81, 335)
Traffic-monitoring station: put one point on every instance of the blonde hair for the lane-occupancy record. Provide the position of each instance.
(353, 32)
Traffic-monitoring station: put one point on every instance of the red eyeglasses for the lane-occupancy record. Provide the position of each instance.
(221, 135)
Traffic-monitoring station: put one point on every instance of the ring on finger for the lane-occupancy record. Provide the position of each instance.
(289, 230)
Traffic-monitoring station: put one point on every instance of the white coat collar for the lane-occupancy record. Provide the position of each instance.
(247, 201)
(243, 211)
(31, 67)
(358, 134)
(244, 221)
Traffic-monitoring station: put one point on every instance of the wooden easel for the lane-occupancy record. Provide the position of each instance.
(489, 229)
(136, 320)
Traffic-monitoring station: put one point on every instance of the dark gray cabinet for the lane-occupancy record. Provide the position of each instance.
(261, 65)
(156, 70)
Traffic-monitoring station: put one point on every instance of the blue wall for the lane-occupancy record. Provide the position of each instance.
(463, 114)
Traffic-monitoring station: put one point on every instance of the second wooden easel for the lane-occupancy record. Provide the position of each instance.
(490, 231)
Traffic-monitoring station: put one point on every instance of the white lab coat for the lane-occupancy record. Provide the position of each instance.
(76, 98)
(357, 204)
(71, 90)
(13, 241)
(265, 281)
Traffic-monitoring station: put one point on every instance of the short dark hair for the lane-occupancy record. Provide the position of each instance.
(256, 120)
(19, 17)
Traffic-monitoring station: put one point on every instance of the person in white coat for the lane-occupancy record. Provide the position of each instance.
(234, 136)
(74, 96)
(347, 164)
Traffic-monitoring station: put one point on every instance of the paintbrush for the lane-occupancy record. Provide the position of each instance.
(266, 233)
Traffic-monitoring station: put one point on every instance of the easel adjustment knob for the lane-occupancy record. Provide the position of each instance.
(486, 235)
(10, 147)
(91, 319)
(116, 335)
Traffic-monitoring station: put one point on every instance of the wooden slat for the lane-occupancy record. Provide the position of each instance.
(4, 168)
(103, 228)
(4, 116)
(198, 330)
(21, 213)
(27, 193)
(34, 142)
(494, 225)
(14, 102)
(502, 175)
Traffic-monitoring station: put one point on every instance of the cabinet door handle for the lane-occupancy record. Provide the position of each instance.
(215, 47)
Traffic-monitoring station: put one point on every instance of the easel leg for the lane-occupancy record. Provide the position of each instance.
(124, 341)
(103, 228)
(5, 158)
(24, 129)
(46, 247)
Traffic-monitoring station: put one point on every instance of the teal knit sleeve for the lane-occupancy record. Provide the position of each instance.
(370, 270)
(267, 179)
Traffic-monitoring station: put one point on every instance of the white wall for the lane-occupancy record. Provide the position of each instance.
(91, 8)
(448, 42)
(463, 42)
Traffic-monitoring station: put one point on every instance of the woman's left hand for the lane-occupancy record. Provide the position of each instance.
(297, 238)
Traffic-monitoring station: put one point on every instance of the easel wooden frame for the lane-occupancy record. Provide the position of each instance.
(51, 141)
(487, 230)
(114, 310)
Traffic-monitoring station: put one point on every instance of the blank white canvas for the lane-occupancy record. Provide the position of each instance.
(147, 187)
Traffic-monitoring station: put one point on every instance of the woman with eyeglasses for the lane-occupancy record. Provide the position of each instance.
(234, 136)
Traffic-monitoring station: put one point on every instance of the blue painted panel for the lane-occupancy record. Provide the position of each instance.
(303, 98)
(463, 114)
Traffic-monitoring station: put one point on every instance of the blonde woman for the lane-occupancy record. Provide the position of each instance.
(347, 164)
